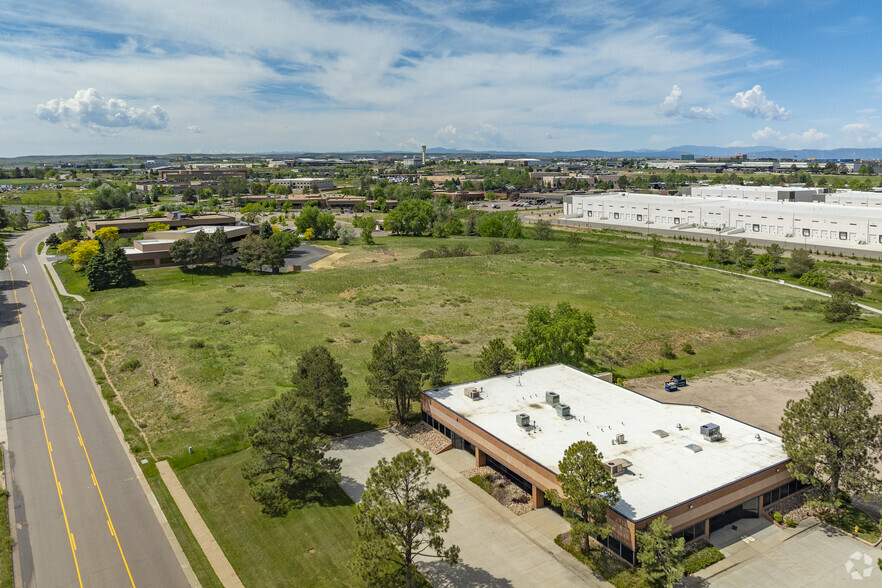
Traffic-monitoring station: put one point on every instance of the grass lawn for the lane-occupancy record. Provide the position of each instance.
(203, 570)
(850, 517)
(309, 547)
(222, 342)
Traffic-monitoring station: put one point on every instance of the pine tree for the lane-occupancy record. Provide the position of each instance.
(119, 268)
(97, 271)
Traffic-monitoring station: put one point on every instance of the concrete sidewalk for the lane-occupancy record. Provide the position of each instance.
(225, 572)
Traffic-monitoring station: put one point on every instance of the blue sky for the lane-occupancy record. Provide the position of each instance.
(281, 75)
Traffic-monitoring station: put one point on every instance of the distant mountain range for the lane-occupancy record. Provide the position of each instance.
(756, 152)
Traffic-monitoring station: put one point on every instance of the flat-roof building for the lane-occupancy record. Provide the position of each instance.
(130, 227)
(303, 183)
(699, 468)
(839, 222)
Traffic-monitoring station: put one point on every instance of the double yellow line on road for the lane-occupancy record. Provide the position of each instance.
(73, 545)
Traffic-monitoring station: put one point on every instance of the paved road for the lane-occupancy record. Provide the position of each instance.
(81, 515)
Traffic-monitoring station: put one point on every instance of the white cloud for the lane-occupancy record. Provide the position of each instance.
(754, 103)
(770, 136)
(89, 110)
(290, 75)
(700, 113)
(446, 135)
(671, 104)
(861, 133)
(670, 107)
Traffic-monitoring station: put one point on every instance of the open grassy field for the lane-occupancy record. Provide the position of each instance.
(309, 547)
(221, 343)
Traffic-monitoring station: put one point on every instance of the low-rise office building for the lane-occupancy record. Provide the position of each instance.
(700, 469)
(131, 227)
(154, 251)
(303, 183)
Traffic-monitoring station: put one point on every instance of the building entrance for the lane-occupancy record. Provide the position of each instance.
(748, 510)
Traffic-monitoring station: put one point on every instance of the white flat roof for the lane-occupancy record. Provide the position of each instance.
(664, 473)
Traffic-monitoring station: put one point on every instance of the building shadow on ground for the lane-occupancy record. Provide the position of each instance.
(461, 575)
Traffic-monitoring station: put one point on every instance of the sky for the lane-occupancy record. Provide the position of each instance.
(221, 76)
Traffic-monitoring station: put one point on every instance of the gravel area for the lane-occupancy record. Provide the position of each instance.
(426, 436)
(793, 507)
(506, 493)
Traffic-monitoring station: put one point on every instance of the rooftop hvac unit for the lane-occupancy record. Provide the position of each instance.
(711, 432)
(563, 410)
(617, 466)
(620, 439)
(552, 398)
(523, 419)
(472, 392)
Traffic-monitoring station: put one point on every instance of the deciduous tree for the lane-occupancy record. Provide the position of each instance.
(832, 439)
(588, 491)
(400, 517)
(496, 358)
(555, 336)
(840, 308)
(799, 262)
(542, 230)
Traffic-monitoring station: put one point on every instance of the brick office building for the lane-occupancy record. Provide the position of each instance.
(700, 469)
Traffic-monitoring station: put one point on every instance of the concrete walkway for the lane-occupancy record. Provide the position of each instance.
(44, 259)
(225, 572)
(497, 547)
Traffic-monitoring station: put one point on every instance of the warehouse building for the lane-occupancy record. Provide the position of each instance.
(775, 220)
(700, 469)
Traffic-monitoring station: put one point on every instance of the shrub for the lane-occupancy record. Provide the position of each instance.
(704, 556)
(844, 287)
(840, 308)
(459, 250)
(779, 518)
(656, 367)
(131, 365)
(197, 344)
(687, 349)
(813, 279)
(497, 247)
(790, 522)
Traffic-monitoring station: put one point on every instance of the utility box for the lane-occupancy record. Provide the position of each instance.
(711, 432)
(617, 466)
(552, 398)
(563, 410)
(523, 419)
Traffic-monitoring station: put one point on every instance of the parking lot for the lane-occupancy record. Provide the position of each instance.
(760, 554)
(498, 548)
